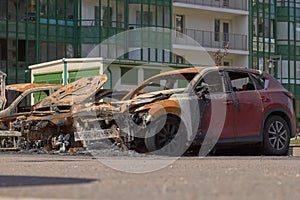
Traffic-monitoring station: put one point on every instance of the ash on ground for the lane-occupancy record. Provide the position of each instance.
(99, 149)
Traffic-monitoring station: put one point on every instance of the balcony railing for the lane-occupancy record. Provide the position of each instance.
(212, 39)
(230, 4)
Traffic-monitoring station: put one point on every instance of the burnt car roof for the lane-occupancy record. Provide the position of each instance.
(75, 92)
(198, 69)
(255, 71)
(110, 93)
(192, 70)
(22, 87)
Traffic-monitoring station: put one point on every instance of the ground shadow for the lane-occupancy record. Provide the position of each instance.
(18, 181)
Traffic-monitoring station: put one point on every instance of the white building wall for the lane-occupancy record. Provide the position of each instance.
(116, 75)
(240, 25)
(203, 20)
(88, 11)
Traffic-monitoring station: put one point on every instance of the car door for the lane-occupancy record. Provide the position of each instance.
(217, 120)
(248, 110)
(22, 105)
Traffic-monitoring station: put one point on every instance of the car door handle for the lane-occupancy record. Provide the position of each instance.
(228, 102)
(265, 99)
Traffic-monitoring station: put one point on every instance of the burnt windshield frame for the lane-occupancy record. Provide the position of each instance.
(11, 96)
(201, 76)
(187, 76)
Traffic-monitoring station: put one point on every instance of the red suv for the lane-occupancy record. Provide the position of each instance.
(210, 106)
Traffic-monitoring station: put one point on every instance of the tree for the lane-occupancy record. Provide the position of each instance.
(219, 55)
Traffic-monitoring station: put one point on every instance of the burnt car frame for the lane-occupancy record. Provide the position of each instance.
(18, 105)
(51, 121)
(258, 111)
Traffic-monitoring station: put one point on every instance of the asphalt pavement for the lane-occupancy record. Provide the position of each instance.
(44, 176)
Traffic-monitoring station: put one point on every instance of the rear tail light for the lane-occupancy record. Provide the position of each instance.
(289, 94)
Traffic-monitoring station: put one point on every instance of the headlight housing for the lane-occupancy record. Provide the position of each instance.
(141, 118)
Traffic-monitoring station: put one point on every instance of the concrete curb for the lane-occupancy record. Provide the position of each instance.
(294, 150)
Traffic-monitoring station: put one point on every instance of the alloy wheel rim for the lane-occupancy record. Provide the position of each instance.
(167, 137)
(278, 136)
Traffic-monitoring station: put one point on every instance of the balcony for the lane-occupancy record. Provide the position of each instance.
(227, 4)
(211, 39)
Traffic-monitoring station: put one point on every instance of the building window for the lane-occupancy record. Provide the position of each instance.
(148, 73)
(120, 23)
(145, 19)
(69, 51)
(21, 50)
(226, 3)
(254, 27)
(31, 51)
(217, 30)
(70, 10)
(282, 30)
(271, 29)
(96, 14)
(51, 8)
(179, 59)
(263, 27)
(52, 51)
(129, 76)
(260, 26)
(61, 9)
(3, 49)
(179, 23)
(167, 17)
(226, 63)
(107, 16)
(3, 9)
(225, 28)
(43, 7)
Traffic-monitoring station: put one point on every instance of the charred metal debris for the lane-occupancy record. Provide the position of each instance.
(81, 113)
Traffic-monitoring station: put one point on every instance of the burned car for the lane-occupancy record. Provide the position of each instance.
(173, 111)
(51, 121)
(17, 106)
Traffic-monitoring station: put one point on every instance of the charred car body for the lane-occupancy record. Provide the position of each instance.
(17, 104)
(173, 110)
(51, 121)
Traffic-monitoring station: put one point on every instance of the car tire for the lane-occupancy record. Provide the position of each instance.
(276, 136)
(170, 140)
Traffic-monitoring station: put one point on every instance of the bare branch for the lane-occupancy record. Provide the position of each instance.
(219, 55)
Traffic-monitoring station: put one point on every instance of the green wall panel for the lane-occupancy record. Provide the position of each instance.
(55, 78)
(151, 2)
(74, 75)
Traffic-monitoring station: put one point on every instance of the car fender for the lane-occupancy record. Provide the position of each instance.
(268, 113)
(161, 108)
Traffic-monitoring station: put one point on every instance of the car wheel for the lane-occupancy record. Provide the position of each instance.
(276, 136)
(170, 140)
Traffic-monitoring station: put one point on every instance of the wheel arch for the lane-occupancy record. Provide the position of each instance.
(278, 112)
(170, 110)
(151, 145)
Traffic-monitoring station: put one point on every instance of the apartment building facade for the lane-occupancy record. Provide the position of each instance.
(214, 25)
(260, 34)
(274, 33)
(37, 31)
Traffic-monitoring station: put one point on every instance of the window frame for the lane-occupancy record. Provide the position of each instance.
(241, 88)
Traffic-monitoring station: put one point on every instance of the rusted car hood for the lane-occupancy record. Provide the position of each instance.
(73, 93)
(122, 106)
(157, 94)
(22, 87)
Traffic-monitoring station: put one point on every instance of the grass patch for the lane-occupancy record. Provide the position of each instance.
(295, 141)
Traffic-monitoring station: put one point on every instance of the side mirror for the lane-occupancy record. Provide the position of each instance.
(266, 84)
(202, 89)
